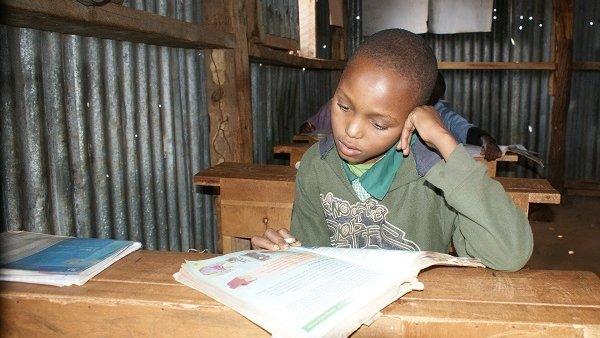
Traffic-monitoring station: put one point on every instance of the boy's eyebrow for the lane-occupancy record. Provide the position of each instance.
(388, 118)
(385, 117)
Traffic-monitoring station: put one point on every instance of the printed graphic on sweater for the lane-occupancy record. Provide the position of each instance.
(362, 225)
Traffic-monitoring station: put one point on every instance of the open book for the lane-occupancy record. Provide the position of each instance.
(57, 260)
(314, 292)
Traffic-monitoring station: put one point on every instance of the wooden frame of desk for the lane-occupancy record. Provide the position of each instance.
(138, 296)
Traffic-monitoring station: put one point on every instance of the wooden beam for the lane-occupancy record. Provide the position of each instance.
(279, 42)
(497, 65)
(562, 12)
(586, 65)
(228, 84)
(111, 21)
(307, 23)
(277, 57)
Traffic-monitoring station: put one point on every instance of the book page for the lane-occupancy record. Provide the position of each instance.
(311, 293)
(397, 264)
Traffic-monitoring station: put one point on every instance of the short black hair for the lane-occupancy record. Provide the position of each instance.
(438, 90)
(405, 53)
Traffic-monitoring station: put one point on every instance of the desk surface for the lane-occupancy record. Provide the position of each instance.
(138, 296)
(267, 172)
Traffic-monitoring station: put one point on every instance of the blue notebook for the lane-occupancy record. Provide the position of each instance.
(69, 256)
(57, 260)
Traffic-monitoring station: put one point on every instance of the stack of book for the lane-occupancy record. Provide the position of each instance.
(57, 260)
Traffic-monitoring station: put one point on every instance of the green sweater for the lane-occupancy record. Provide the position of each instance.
(455, 202)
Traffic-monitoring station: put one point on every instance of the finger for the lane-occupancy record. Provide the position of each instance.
(263, 243)
(288, 238)
(399, 144)
(406, 133)
(276, 238)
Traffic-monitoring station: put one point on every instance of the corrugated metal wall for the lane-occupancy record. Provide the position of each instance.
(280, 17)
(583, 124)
(101, 138)
(282, 99)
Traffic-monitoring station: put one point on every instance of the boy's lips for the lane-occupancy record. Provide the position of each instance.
(348, 149)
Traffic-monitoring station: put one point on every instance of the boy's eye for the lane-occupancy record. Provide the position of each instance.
(342, 107)
(379, 126)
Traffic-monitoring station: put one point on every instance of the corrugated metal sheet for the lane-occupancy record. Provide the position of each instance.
(323, 30)
(354, 29)
(583, 123)
(282, 99)
(184, 10)
(280, 17)
(101, 138)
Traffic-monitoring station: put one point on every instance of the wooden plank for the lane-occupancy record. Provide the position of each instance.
(278, 57)
(279, 42)
(228, 85)
(267, 172)
(138, 296)
(249, 207)
(307, 23)
(112, 21)
(496, 65)
(234, 244)
(586, 65)
(562, 11)
(538, 190)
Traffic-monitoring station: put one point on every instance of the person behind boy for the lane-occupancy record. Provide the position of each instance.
(362, 186)
(464, 131)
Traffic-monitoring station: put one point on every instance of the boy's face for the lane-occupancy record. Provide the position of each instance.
(368, 111)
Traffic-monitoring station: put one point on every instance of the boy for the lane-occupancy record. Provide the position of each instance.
(356, 189)
(464, 131)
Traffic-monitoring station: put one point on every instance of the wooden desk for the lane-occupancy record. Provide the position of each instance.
(296, 150)
(254, 197)
(138, 297)
(491, 165)
(525, 191)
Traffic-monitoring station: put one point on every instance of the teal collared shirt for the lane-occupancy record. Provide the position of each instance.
(378, 179)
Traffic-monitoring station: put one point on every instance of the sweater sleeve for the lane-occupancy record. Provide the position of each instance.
(457, 124)
(488, 225)
(308, 220)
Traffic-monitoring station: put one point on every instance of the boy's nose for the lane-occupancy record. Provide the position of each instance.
(354, 128)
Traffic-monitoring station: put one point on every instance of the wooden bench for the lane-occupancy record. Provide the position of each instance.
(297, 149)
(138, 297)
(254, 197)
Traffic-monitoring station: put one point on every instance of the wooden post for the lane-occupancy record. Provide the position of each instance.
(228, 84)
(563, 57)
